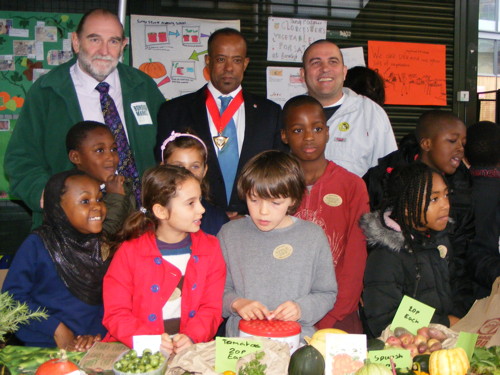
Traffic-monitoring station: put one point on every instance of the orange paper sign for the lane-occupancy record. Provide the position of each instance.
(414, 73)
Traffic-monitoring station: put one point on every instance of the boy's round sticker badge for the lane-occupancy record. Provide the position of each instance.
(443, 250)
(282, 251)
(344, 126)
(332, 200)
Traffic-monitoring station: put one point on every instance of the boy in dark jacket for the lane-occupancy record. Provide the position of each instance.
(439, 143)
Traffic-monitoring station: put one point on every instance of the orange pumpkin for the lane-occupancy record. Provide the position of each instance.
(4, 98)
(153, 69)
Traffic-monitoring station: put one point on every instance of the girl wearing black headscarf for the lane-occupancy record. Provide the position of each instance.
(59, 266)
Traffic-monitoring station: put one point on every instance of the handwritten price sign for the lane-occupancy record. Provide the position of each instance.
(412, 315)
(229, 350)
(401, 358)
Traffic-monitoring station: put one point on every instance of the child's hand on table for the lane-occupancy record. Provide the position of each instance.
(82, 343)
(289, 311)
(174, 345)
(251, 310)
(181, 342)
(166, 345)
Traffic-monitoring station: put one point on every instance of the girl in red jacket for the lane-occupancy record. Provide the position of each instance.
(167, 276)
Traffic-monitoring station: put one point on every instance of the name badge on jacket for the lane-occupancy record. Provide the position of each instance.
(141, 113)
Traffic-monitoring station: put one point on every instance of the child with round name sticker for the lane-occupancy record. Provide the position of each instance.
(335, 199)
(167, 276)
(278, 266)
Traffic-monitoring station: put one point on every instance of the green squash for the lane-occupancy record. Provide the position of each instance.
(423, 361)
(375, 344)
(374, 369)
(306, 361)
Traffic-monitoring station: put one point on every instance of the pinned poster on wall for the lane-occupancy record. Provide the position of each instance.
(172, 50)
(31, 44)
(414, 73)
(288, 38)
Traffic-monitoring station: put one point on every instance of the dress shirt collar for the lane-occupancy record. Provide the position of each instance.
(216, 93)
(88, 83)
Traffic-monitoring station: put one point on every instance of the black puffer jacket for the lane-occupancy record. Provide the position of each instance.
(393, 270)
(461, 211)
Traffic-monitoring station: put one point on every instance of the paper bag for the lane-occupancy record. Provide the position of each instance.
(484, 318)
(276, 359)
(200, 359)
(102, 356)
(197, 359)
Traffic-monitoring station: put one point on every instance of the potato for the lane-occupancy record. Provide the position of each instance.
(422, 348)
(435, 333)
(413, 349)
(399, 331)
(434, 344)
(393, 341)
(419, 339)
(424, 331)
(406, 339)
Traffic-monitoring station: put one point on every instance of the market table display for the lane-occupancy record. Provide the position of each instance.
(25, 360)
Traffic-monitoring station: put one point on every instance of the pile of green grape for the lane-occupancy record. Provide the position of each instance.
(133, 364)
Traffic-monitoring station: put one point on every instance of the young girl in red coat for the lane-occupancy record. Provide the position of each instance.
(167, 276)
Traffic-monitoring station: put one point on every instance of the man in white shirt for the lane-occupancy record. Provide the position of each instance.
(360, 131)
(68, 95)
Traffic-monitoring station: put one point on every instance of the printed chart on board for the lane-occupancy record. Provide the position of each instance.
(172, 50)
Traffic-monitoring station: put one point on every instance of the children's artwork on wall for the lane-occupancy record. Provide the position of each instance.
(172, 50)
(284, 83)
(27, 43)
(414, 73)
(31, 44)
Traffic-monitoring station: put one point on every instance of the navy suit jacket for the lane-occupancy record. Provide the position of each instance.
(262, 132)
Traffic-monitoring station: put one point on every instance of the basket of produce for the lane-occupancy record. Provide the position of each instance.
(425, 341)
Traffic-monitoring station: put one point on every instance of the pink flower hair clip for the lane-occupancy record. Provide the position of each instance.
(174, 136)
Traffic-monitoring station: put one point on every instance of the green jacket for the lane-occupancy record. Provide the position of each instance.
(37, 148)
(118, 207)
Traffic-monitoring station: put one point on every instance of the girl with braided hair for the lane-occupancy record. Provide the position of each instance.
(408, 248)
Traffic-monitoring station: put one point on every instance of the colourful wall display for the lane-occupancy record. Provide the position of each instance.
(31, 44)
